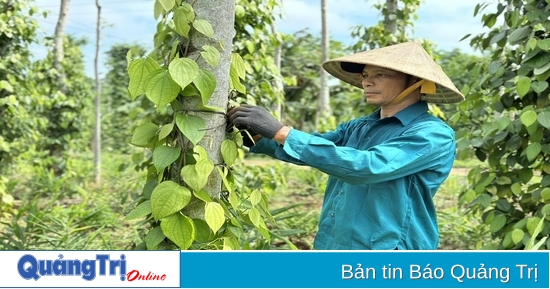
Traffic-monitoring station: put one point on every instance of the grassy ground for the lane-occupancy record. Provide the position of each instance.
(74, 213)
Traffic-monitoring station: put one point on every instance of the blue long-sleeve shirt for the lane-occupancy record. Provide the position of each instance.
(383, 175)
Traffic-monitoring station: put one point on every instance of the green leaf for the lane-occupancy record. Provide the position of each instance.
(545, 194)
(211, 55)
(203, 196)
(255, 217)
(158, 9)
(518, 35)
(542, 69)
(539, 86)
(164, 156)
(544, 44)
(183, 71)
(160, 88)
(139, 71)
(484, 200)
(240, 12)
(154, 237)
(206, 84)
(235, 82)
(179, 229)
(525, 175)
(204, 233)
(498, 222)
(503, 122)
(181, 23)
(229, 151)
(255, 197)
(141, 210)
(516, 189)
(517, 235)
(523, 85)
(237, 65)
(4, 85)
(144, 134)
(165, 130)
(193, 127)
(532, 224)
(167, 4)
(544, 119)
(167, 198)
(531, 44)
(528, 118)
(533, 150)
(204, 27)
(192, 178)
(214, 216)
(189, 11)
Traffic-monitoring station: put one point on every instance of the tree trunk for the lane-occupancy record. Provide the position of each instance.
(390, 21)
(278, 107)
(323, 103)
(58, 40)
(221, 14)
(97, 130)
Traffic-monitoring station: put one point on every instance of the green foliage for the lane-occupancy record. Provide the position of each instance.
(62, 108)
(17, 33)
(511, 102)
(255, 42)
(117, 107)
(378, 35)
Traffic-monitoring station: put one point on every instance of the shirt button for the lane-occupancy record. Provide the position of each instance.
(332, 214)
(340, 192)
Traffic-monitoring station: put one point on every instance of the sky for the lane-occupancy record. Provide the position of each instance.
(444, 22)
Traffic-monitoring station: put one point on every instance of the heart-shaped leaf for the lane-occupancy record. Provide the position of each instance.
(183, 71)
(164, 156)
(167, 198)
(179, 229)
(192, 127)
(160, 88)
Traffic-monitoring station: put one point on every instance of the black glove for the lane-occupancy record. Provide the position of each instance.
(256, 119)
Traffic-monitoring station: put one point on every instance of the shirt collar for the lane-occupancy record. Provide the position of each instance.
(411, 112)
(406, 115)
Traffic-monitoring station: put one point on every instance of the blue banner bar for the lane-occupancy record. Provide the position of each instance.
(364, 269)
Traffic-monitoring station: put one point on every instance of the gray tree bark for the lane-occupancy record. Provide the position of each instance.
(278, 107)
(390, 21)
(323, 101)
(97, 130)
(221, 14)
(58, 40)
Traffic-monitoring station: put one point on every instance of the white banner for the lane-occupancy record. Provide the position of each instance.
(113, 269)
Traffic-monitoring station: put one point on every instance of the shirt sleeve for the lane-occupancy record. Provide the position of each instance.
(422, 146)
(275, 150)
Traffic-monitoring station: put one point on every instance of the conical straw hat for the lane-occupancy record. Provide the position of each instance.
(409, 58)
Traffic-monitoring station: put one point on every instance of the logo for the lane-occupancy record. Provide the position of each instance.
(29, 267)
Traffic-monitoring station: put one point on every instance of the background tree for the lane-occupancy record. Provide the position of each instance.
(511, 96)
(97, 129)
(17, 33)
(58, 39)
(323, 101)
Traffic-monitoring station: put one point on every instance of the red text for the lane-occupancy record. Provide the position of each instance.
(135, 275)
